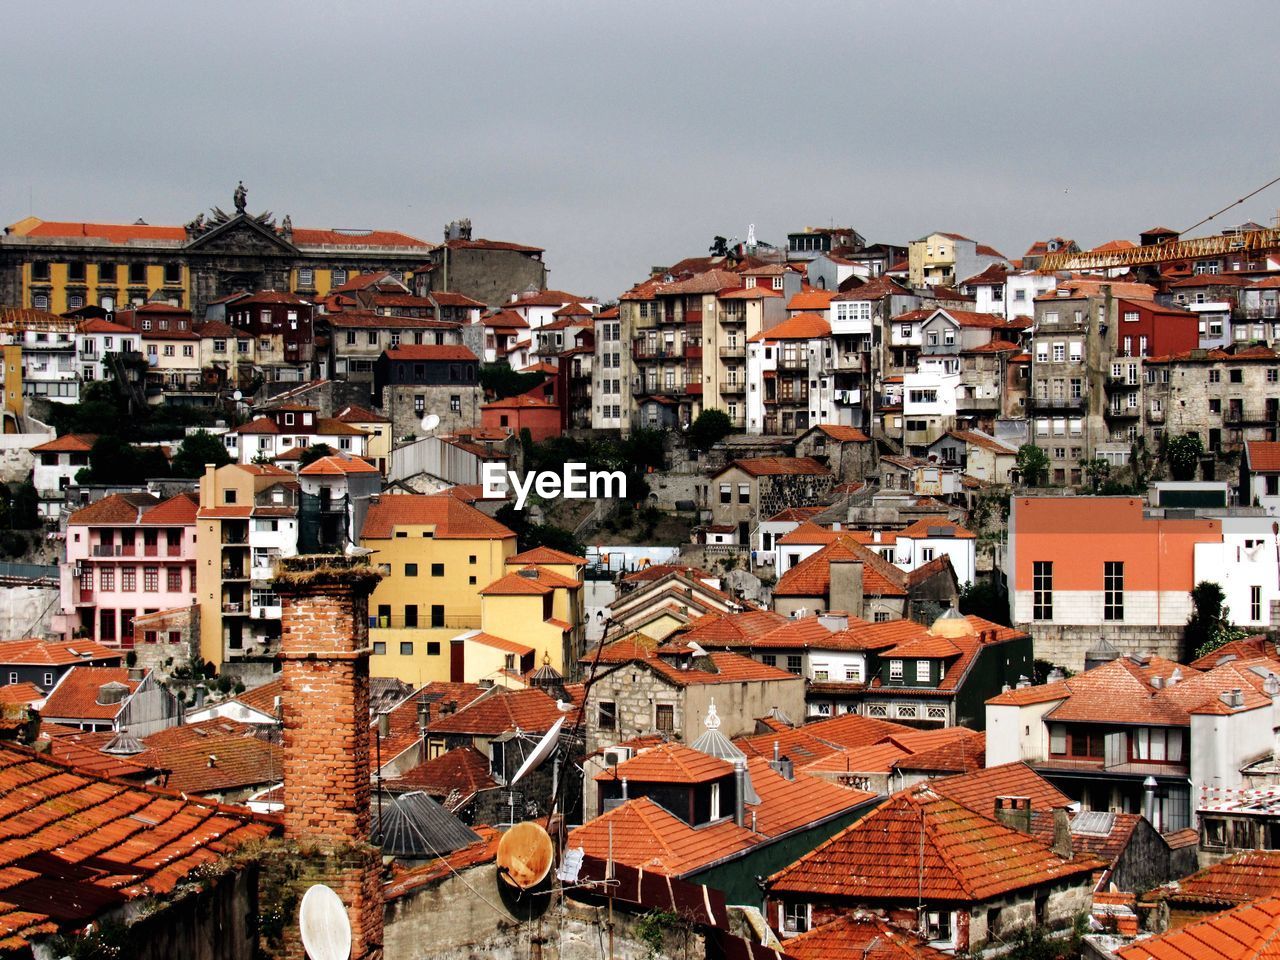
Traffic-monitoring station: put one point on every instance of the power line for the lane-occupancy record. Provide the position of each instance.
(1230, 205)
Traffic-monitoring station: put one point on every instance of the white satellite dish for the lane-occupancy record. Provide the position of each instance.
(541, 752)
(325, 926)
(430, 422)
(237, 395)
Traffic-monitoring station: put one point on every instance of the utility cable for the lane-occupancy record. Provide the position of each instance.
(1230, 205)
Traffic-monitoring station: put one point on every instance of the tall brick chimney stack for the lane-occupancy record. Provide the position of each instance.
(324, 648)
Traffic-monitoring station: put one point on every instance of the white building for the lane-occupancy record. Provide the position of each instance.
(1244, 565)
(96, 340)
(790, 383)
(1260, 476)
(929, 399)
(1021, 290)
(48, 344)
(608, 372)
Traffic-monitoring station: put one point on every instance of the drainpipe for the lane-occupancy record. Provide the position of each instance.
(739, 790)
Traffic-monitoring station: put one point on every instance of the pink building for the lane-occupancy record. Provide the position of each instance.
(128, 555)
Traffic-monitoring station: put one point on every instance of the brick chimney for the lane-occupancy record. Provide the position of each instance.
(324, 648)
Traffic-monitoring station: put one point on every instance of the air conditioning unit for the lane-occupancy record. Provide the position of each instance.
(614, 756)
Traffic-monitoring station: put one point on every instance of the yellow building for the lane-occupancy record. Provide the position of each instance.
(61, 266)
(378, 427)
(541, 607)
(248, 519)
(13, 401)
(436, 554)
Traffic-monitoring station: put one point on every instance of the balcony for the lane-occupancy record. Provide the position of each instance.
(1250, 415)
(645, 352)
(235, 539)
(1057, 403)
(1124, 413)
(1118, 383)
(234, 609)
(857, 362)
(732, 389)
(233, 573)
(425, 622)
(794, 363)
(1268, 311)
(102, 550)
(738, 351)
(1155, 416)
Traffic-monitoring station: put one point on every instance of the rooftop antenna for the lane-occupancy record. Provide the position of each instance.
(430, 422)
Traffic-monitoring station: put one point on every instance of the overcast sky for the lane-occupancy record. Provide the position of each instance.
(619, 136)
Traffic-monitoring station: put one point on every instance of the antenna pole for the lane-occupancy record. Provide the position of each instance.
(608, 885)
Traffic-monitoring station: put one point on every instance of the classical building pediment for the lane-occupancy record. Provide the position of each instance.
(242, 234)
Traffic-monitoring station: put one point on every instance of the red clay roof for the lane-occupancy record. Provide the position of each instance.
(20, 694)
(920, 844)
(978, 790)
(528, 581)
(76, 695)
(54, 653)
(1249, 932)
(176, 511)
(452, 519)
(212, 756)
(811, 577)
(843, 434)
(334, 466)
(545, 555)
(860, 936)
(670, 763)
(779, 466)
(811, 300)
(1245, 876)
(67, 443)
(823, 737)
(642, 834)
(531, 710)
(430, 351)
(800, 326)
(1263, 455)
(87, 845)
(464, 769)
(728, 668)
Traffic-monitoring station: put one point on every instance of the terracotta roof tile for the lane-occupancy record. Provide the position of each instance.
(213, 756)
(670, 763)
(811, 577)
(93, 844)
(76, 695)
(1245, 876)
(860, 936)
(176, 511)
(430, 351)
(545, 555)
(529, 580)
(55, 653)
(531, 710)
(728, 668)
(800, 326)
(1263, 455)
(67, 443)
(823, 737)
(807, 300)
(452, 519)
(792, 804)
(20, 694)
(966, 857)
(780, 466)
(464, 769)
(978, 790)
(642, 834)
(843, 434)
(1249, 932)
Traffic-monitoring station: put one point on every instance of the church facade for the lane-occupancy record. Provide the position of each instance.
(63, 266)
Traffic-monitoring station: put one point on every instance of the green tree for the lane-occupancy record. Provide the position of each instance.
(196, 450)
(985, 599)
(1095, 471)
(501, 381)
(1033, 465)
(314, 453)
(24, 508)
(1209, 626)
(710, 428)
(1182, 453)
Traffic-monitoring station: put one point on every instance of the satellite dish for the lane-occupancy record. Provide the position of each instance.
(430, 422)
(524, 856)
(325, 927)
(237, 395)
(541, 752)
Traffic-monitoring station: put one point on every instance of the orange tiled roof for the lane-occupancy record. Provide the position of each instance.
(959, 856)
(656, 571)
(263, 698)
(430, 351)
(337, 466)
(860, 936)
(452, 519)
(83, 750)
(643, 835)
(1250, 648)
(792, 804)
(528, 581)
(1245, 876)
(1264, 455)
(176, 511)
(947, 750)
(800, 326)
(670, 763)
(212, 756)
(877, 758)
(93, 844)
(811, 577)
(20, 694)
(780, 466)
(1249, 932)
(843, 434)
(67, 443)
(978, 790)
(821, 738)
(464, 769)
(499, 643)
(811, 300)
(728, 668)
(54, 653)
(545, 555)
(76, 695)
(531, 710)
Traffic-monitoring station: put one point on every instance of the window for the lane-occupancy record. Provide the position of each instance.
(379, 648)
(1131, 316)
(1215, 376)
(106, 579)
(664, 717)
(173, 578)
(351, 338)
(1237, 375)
(1113, 590)
(769, 659)
(1042, 590)
(455, 403)
(795, 917)
(882, 616)
(406, 648)
(607, 717)
(1059, 352)
(726, 493)
(853, 673)
(926, 554)
(151, 579)
(922, 671)
(419, 404)
(129, 579)
(744, 493)
(410, 569)
(794, 664)
(1255, 603)
(895, 670)
(411, 615)
(938, 926)
(437, 569)
(1156, 744)
(437, 615)
(339, 278)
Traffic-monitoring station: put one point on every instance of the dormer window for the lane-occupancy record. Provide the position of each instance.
(922, 671)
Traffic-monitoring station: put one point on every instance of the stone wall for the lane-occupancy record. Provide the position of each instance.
(490, 276)
(1066, 645)
(214, 922)
(28, 610)
(398, 403)
(635, 690)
